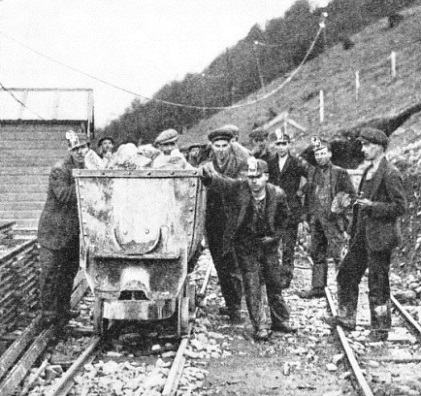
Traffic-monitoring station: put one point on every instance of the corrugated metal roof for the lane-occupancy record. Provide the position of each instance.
(46, 104)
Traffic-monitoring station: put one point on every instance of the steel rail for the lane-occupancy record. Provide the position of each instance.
(65, 383)
(18, 372)
(362, 382)
(406, 315)
(177, 367)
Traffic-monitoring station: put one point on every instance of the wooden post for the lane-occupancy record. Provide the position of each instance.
(259, 69)
(322, 107)
(393, 63)
(357, 84)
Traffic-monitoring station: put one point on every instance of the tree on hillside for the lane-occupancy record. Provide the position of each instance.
(234, 74)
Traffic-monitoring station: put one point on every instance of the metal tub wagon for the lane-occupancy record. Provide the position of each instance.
(140, 231)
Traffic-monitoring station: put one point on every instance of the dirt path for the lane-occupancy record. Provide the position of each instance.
(304, 363)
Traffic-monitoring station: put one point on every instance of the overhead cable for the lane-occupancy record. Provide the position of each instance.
(257, 100)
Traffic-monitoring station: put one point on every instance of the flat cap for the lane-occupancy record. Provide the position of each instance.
(225, 132)
(76, 139)
(281, 137)
(167, 136)
(105, 138)
(259, 133)
(373, 135)
(256, 167)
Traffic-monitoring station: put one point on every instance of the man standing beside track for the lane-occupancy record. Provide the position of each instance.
(258, 212)
(227, 163)
(325, 184)
(58, 234)
(381, 200)
(286, 172)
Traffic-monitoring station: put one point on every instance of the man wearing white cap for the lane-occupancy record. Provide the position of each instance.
(287, 171)
(58, 234)
(258, 212)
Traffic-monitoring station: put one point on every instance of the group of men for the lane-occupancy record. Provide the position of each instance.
(255, 202)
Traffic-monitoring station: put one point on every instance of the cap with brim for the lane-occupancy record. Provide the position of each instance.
(222, 133)
(194, 145)
(256, 167)
(259, 133)
(76, 139)
(105, 138)
(167, 136)
(373, 135)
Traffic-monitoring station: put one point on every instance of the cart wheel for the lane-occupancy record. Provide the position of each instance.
(183, 317)
(100, 324)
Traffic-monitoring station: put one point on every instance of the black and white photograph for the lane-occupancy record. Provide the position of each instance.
(210, 198)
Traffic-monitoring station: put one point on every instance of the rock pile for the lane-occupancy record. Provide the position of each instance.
(130, 157)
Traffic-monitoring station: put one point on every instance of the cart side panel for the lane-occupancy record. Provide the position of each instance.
(138, 232)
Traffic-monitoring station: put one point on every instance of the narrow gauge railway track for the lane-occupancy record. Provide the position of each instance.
(92, 351)
(17, 360)
(376, 367)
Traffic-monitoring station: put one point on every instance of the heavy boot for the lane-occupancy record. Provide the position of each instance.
(318, 282)
(381, 320)
(346, 318)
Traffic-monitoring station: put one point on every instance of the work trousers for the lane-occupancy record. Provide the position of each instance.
(289, 239)
(58, 270)
(327, 240)
(255, 261)
(359, 257)
(229, 274)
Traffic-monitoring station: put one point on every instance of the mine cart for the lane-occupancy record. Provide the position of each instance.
(140, 231)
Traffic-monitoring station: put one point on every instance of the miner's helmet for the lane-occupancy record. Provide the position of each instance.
(281, 136)
(319, 144)
(77, 139)
(256, 167)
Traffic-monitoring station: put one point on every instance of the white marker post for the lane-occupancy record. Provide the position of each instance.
(393, 63)
(322, 107)
(357, 84)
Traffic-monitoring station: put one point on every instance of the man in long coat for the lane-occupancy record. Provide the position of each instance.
(227, 163)
(325, 183)
(259, 212)
(58, 234)
(381, 200)
(287, 171)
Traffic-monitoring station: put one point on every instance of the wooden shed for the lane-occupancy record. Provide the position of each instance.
(33, 123)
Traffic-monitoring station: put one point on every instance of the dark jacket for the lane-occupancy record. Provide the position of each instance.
(289, 180)
(339, 181)
(59, 222)
(237, 197)
(216, 209)
(389, 202)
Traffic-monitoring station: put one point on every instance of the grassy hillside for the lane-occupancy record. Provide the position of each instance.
(382, 99)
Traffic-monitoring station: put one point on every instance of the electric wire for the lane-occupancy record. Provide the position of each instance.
(115, 86)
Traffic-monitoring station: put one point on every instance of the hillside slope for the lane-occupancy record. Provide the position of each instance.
(383, 101)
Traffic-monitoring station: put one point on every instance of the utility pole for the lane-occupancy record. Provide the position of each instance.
(229, 77)
(202, 94)
(259, 70)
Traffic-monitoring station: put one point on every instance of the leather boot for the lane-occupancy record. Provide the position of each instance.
(312, 293)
